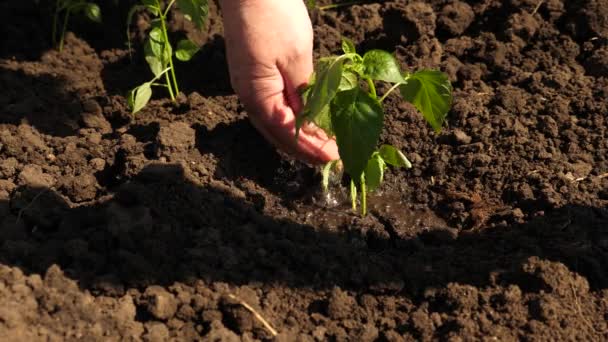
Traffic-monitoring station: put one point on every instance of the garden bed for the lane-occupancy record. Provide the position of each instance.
(162, 225)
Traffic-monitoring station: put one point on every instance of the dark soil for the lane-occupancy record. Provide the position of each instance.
(148, 228)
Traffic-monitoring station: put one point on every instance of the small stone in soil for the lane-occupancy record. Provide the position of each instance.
(32, 175)
(176, 137)
(95, 119)
(156, 332)
(461, 137)
(8, 167)
(81, 188)
(97, 164)
(160, 303)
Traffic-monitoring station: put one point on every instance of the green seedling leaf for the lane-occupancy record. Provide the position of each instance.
(394, 157)
(349, 81)
(382, 66)
(430, 92)
(151, 6)
(139, 97)
(195, 11)
(155, 63)
(327, 79)
(357, 121)
(348, 46)
(93, 12)
(156, 42)
(157, 52)
(186, 49)
(323, 121)
(374, 172)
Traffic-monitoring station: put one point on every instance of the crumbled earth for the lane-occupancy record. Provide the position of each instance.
(182, 223)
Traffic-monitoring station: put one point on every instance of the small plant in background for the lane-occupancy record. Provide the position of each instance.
(68, 7)
(312, 4)
(158, 51)
(337, 101)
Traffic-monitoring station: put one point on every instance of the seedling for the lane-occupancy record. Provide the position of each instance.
(158, 51)
(341, 99)
(312, 4)
(68, 7)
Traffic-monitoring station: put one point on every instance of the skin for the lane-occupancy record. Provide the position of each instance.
(269, 48)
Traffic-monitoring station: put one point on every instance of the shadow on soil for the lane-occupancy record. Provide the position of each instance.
(161, 227)
(41, 100)
(206, 73)
(237, 160)
(26, 27)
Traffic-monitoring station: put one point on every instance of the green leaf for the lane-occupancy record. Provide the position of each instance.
(155, 63)
(157, 51)
(374, 172)
(323, 121)
(185, 50)
(151, 5)
(92, 11)
(156, 42)
(348, 46)
(382, 66)
(394, 157)
(195, 11)
(139, 97)
(357, 121)
(326, 80)
(349, 81)
(430, 92)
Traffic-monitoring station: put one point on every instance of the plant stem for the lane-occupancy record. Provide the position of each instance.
(65, 25)
(172, 69)
(54, 29)
(333, 6)
(168, 7)
(166, 38)
(372, 87)
(390, 91)
(353, 194)
(363, 196)
(168, 80)
(325, 173)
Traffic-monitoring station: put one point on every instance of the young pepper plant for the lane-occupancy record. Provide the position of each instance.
(341, 99)
(158, 51)
(67, 7)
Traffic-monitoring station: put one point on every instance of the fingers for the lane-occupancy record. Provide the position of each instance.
(278, 127)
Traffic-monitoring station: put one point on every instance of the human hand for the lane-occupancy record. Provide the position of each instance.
(269, 48)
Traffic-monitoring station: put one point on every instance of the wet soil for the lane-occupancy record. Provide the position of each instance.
(162, 226)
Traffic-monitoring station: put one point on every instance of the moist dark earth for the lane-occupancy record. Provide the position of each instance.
(167, 225)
